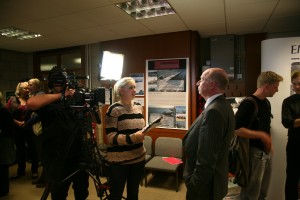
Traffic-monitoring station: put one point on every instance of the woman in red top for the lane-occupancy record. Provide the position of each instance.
(17, 106)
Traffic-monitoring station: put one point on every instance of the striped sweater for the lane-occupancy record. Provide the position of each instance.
(121, 124)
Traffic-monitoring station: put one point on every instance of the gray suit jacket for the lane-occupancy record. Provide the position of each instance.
(206, 147)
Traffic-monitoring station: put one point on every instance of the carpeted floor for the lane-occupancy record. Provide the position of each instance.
(160, 186)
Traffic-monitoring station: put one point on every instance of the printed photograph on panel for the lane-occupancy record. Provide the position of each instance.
(139, 80)
(152, 81)
(167, 92)
(180, 116)
(173, 117)
(171, 80)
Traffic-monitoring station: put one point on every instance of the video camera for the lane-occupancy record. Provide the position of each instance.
(95, 97)
(85, 100)
(82, 96)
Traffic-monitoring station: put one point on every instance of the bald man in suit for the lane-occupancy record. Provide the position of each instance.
(206, 144)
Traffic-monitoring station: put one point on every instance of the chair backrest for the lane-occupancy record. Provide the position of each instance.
(148, 144)
(169, 147)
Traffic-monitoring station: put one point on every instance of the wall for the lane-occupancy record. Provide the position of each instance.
(247, 64)
(93, 55)
(252, 61)
(137, 50)
(14, 66)
(178, 45)
(277, 56)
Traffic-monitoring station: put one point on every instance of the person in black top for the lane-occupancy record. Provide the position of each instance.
(62, 138)
(259, 135)
(7, 148)
(290, 118)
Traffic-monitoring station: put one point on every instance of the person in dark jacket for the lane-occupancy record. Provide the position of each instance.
(206, 144)
(62, 141)
(290, 118)
(7, 148)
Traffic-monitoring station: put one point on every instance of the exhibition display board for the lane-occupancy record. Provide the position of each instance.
(280, 55)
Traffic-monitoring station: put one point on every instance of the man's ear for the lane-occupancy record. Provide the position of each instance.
(212, 84)
(266, 86)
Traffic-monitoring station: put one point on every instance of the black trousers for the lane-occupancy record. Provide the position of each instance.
(80, 184)
(292, 169)
(23, 137)
(4, 180)
(119, 175)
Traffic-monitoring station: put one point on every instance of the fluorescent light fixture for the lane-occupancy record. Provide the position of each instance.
(18, 33)
(141, 9)
(112, 66)
(46, 67)
(77, 60)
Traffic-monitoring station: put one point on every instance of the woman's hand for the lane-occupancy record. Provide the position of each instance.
(19, 123)
(139, 136)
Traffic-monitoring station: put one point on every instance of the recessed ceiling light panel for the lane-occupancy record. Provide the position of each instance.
(141, 9)
(18, 33)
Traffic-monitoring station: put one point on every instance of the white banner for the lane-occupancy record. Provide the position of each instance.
(279, 55)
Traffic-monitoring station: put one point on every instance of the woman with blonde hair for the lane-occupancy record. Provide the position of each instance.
(18, 108)
(125, 149)
(34, 86)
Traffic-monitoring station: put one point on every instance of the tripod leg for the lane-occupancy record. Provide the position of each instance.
(45, 194)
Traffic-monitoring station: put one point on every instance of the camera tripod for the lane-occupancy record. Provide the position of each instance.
(94, 164)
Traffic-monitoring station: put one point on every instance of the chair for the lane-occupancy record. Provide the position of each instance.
(165, 147)
(148, 147)
(149, 151)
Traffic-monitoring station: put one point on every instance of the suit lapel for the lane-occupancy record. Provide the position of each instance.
(198, 120)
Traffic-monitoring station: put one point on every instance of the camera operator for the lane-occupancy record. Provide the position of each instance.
(61, 138)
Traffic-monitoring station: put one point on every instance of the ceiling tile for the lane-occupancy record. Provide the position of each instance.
(129, 29)
(65, 23)
(245, 26)
(71, 22)
(283, 24)
(105, 15)
(170, 23)
(198, 12)
(237, 10)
